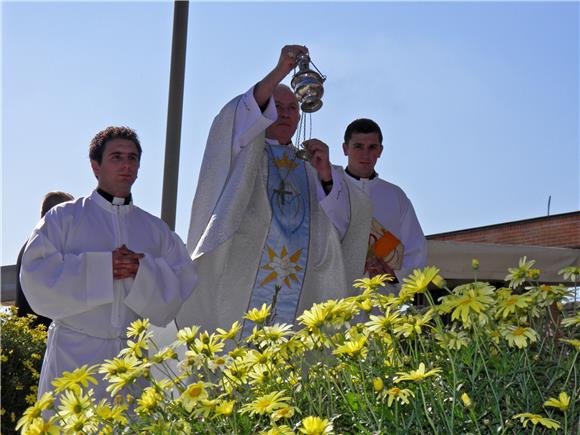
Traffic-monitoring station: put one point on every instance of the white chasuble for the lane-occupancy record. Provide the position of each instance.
(231, 234)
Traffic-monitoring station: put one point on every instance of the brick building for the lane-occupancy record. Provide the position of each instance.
(560, 230)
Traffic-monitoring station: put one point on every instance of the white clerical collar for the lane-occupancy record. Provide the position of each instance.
(115, 200)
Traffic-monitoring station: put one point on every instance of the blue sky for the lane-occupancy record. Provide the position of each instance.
(478, 101)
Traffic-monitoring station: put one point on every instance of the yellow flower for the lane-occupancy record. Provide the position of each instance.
(378, 384)
(475, 264)
(383, 323)
(222, 334)
(259, 316)
(416, 375)
(136, 347)
(570, 273)
(373, 283)
(119, 366)
(562, 402)
(353, 348)
(137, 327)
(519, 336)
(194, 394)
(414, 325)
(114, 414)
(74, 403)
(71, 380)
(164, 354)
(419, 280)
(208, 344)
(507, 305)
(522, 273)
(187, 335)
(466, 400)
(469, 298)
(398, 394)
(571, 321)
(453, 339)
(526, 418)
(315, 426)
(283, 412)
(225, 407)
(35, 411)
(41, 427)
(149, 399)
(573, 342)
(266, 404)
(219, 362)
(279, 430)
(80, 424)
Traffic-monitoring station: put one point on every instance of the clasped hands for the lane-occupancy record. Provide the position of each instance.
(125, 263)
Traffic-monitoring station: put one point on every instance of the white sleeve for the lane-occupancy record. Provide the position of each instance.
(163, 283)
(250, 121)
(413, 240)
(59, 285)
(336, 204)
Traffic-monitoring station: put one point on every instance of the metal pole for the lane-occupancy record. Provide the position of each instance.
(174, 112)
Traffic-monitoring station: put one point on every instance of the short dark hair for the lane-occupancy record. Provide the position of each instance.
(53, 198)
(362, 125)
(97, 146)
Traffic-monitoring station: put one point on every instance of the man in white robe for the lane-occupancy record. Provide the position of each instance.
(266, 223)
(98, 263)
(396, 243)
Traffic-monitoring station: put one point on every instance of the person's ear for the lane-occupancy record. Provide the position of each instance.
(345, 148)
(380, 151)
(96, 168)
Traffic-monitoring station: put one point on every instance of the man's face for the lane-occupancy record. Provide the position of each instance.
(363, 151)
(288, 116)
(119, 167)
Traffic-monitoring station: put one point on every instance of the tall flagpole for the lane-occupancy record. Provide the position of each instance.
(174, 112)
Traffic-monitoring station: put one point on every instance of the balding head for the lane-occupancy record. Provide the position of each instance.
(285, 126)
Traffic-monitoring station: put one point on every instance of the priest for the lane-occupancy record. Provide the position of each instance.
(96, 264)
(265, 225)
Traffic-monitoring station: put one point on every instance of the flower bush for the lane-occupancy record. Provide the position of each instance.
(482, 360)
(23, 346)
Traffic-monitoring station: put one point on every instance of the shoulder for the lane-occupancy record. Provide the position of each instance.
(388, 186)
(151, 219)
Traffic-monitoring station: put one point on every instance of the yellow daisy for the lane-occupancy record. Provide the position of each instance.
(562, 402)
(35, 411)
(148, 401)
(315, 426)
(222, 334)
(75, 379)
(137, 327)
(353, 348)
(194, 394)
(416, 375)
(278, 430)
(419, 280)
(41, 427)
(283, 412)
(522, 273)
(225, 407)
(187, 335)
(74, 403)
(527, 417)
(259, 316)
(397, 394)
(519, 336)
(266, 404)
